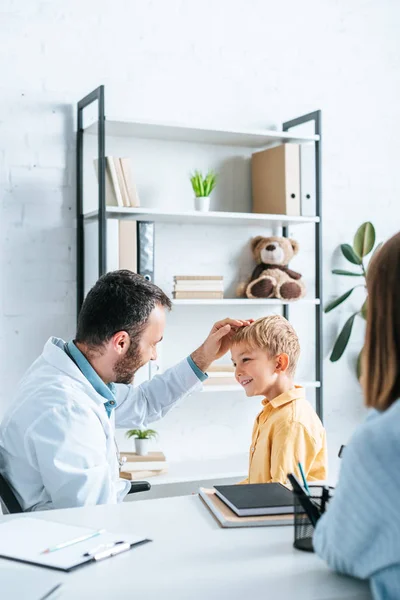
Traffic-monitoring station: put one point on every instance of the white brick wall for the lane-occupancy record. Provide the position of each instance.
(223, 61)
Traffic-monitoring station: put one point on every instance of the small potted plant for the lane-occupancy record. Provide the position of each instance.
(142, 439)
(202, 187)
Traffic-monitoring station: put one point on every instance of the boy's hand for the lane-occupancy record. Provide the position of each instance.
(218, 342)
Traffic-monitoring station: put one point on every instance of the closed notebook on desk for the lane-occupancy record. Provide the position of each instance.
(227, 518)
(26, 539)
(253, 499)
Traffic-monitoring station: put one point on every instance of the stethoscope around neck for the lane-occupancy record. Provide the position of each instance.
(120, 459)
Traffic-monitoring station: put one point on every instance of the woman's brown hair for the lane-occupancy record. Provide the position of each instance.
(381, 354)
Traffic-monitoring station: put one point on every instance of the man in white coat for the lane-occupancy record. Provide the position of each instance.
(57, 445)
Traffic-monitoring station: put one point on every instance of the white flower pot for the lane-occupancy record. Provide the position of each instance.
(202, 203)
(142, 447)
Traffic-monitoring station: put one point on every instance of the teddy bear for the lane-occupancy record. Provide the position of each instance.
(272, 278)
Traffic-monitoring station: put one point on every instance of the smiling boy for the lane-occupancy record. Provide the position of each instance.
(287, 430)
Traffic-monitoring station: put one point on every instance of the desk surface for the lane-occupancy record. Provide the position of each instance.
(192, 558)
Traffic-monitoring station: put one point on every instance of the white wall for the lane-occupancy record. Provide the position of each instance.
(241, 62)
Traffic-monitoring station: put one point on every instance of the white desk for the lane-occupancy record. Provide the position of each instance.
(192, 558)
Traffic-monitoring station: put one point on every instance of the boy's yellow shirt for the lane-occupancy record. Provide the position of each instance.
(287, 431)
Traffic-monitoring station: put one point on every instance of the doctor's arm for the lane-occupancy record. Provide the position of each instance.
(151, 400)
(70, 452)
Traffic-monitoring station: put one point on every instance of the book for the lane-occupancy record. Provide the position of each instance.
(198, 295)
(199, 277)
(203, 284)
(255, 499)
(139, 475)
(226, 518)
(114, 180)
(221, 381)
(150, 457)
(111, 198)
(215, 367)
(133, 196)
(121, 181)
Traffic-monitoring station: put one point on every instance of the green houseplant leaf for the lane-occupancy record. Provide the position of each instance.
(349, 273)
(141, 434)
(338, 301)
(343, 339)
(350, 254)
(364, 239)
(364, 308)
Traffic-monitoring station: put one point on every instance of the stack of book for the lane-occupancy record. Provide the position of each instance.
(201, 287)
(120, 184)
(221, 375)
(141, 467)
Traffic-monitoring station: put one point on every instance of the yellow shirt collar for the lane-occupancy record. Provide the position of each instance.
(297, 392)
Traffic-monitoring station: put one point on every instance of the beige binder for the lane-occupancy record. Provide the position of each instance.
(276, 180)
(127, 240)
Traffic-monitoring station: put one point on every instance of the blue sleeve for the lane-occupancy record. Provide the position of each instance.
(198, 372)
(357, 535)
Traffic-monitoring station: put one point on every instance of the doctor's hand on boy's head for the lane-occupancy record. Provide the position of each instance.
(218, 342)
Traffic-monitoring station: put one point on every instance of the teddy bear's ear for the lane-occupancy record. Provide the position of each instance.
(255, 241)
(295, 246)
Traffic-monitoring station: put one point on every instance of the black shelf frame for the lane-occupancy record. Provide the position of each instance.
(98, 95)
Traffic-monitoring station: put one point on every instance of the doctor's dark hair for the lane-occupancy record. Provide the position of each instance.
(119, 301)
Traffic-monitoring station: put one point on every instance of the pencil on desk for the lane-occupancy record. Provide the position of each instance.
(82, 538)
(304, 478)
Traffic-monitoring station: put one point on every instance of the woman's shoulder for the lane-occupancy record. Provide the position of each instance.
(380, 430)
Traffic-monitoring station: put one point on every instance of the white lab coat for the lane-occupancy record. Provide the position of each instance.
(57, 445)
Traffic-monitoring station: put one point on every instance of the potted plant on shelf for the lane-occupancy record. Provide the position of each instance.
(363, 244)
(202, 187)
(142, 439)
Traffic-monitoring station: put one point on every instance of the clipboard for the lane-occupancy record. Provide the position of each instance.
(27, 539)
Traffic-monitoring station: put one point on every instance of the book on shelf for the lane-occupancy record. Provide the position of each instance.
(121, 181)
(149, 457)
(198, 277)
(130, 184)
(182, 286)
(120, 184)
(220, 381)
(198, 295)
(111, 197)
(220, 368)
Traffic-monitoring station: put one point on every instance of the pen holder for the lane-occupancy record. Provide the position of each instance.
(303, 525)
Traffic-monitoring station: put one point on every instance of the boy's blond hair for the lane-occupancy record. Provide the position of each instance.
(275, 335)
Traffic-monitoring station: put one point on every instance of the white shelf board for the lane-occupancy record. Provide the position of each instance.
(197, 217)
(247, 138)
(235, 387)
(243, 302)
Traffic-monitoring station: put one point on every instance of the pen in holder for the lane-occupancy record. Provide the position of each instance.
(307, 512)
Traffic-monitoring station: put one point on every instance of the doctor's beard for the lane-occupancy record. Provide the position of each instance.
(126, 367)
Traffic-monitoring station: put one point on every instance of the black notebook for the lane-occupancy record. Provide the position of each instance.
(254, 499)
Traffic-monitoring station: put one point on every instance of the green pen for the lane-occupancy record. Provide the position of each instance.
(304, 478)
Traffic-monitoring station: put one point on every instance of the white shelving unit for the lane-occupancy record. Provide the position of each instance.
(243, 302)
(195, 217)
(178, 132)
(227, 147)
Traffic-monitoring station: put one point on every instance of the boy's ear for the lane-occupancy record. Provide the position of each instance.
(282, 362)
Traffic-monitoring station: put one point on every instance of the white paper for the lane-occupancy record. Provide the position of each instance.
(26, 538)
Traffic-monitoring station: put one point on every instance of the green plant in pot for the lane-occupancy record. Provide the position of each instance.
(142, 439)
(202, 187)
(363, 245)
